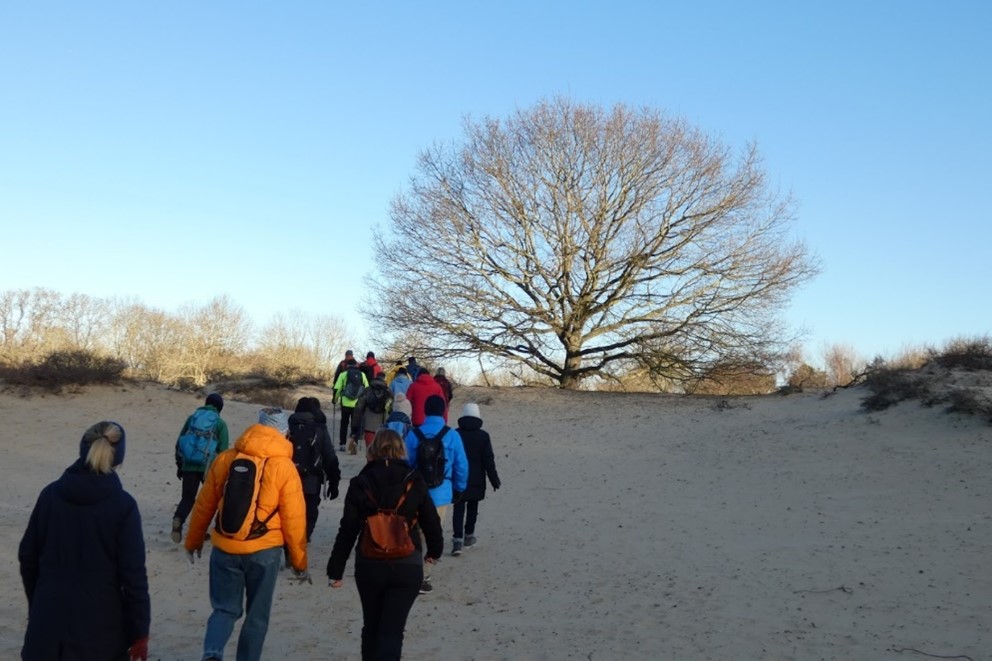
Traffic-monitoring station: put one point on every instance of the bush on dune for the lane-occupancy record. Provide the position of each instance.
(932, 384)
(59, 369)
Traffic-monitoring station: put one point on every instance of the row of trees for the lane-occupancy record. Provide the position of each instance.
(191, 346)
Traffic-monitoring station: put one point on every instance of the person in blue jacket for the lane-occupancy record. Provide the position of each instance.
(455, 463)
(82, 561)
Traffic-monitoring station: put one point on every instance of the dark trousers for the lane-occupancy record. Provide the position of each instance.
(387, 591)
(313, 502)
(191, 484)
(460, 519)
(346, 412)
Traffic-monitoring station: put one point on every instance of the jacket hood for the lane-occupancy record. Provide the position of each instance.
(469, 422)
(82, 486)
(383, 473)
(264, 442)
(425, 378)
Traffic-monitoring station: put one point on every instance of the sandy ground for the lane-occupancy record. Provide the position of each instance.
(629, 526)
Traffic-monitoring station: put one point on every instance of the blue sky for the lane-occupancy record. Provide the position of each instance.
(176, 151)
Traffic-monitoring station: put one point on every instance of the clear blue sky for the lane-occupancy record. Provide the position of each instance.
(176, 151)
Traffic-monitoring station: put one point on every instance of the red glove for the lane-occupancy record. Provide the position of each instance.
(139, 650)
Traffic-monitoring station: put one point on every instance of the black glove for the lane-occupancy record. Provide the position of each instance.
(330, 491)
(496, 485)
(179, 472)
(456, 497)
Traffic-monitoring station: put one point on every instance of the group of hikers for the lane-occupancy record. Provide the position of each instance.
(82, 557)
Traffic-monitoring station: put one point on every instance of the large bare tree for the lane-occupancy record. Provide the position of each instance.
(579, 241)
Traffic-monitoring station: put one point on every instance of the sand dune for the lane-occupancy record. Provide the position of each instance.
(630, 526)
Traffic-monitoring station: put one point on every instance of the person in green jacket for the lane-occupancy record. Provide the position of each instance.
(348, 387)
(206, 429)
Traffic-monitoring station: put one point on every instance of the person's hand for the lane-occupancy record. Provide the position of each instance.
(335, 582)
(302, 575)
(138, 650)
(197, 552)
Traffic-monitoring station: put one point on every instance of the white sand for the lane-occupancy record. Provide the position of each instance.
(628, 527)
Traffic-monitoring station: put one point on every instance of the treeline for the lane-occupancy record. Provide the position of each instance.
(42, 330)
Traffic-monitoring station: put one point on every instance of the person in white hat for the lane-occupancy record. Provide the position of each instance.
(481, 464)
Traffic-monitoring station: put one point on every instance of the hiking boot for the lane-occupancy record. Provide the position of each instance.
(456, 547)
(177, 530)
(469, 541)
(426, 587)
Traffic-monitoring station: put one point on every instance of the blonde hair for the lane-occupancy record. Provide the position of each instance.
(102, 437)
(387, 444)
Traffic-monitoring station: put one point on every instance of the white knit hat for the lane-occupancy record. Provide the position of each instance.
(471, 410)
(402, 404)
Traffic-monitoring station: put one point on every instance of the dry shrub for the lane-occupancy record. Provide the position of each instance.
(973, 354)
(891, 386)
(60, 369)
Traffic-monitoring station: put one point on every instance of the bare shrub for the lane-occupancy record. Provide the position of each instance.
(966, 353)
(64, 368)
(842, 363)
(891, 386)
(969, 400)
(807, 377)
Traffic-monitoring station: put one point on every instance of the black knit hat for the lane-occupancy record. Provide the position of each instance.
(434, 405)
(215, 400)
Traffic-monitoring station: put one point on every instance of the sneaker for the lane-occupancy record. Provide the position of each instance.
(456, 547)
(177, 530)
(426, 587)
(469, 541)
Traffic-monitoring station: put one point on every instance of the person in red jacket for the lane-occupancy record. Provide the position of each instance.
(418, 392)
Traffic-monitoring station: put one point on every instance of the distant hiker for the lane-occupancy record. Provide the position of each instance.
(387, 586)
(203, 436)
(399, 419)
(394, 371)
(342, 366)
(436, 452)
(313, 455)
(255, 492)
(442, 380)
(412, 368)
(371, 411)
(370, 368)
(423, 387)
(82, 561)
(481, 464)
(347, 389)
(400, 383)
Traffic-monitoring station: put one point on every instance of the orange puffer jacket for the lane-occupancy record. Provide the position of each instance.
(280, 490)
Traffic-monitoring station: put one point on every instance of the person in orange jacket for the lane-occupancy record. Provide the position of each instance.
(239, 566)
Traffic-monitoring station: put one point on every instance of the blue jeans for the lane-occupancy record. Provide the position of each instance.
(232, 577)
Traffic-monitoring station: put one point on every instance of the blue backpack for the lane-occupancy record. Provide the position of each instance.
(199, 444)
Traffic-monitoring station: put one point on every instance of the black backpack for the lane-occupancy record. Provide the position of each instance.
(237, 513)
(376, 398)
(353, 384)
(430, 457)
(306, 450)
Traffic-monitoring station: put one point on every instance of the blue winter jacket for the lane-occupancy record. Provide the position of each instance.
(83, 566)
(455, 460)
(400, 384)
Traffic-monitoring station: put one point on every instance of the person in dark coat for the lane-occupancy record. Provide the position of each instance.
(481, 464)
(82, 561)
(309, 422)
(387, 588)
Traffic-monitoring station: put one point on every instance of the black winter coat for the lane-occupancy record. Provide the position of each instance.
(386, 479)
(330, 467)
(481, 461)
(83, 567)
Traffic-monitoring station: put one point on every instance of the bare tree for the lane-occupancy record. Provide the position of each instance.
(581, 242)
(842, 364)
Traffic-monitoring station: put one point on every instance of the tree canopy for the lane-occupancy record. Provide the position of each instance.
(579, 241)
